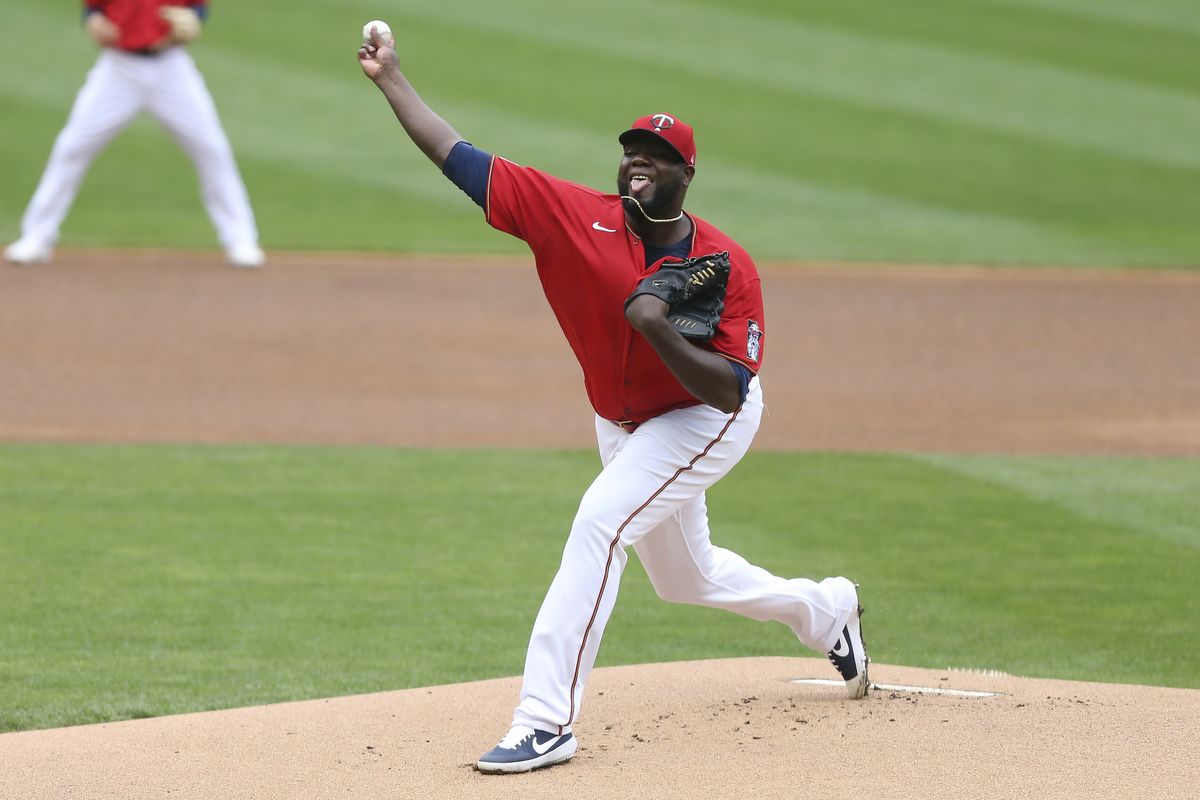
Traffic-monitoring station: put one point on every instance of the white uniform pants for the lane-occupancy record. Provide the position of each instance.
(118, 87)
(650, 496)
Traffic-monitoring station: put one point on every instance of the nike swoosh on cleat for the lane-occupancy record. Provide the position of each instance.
(842, 648)
(597, 226)
(542, 749)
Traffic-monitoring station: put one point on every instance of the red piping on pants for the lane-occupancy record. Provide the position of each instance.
(612, 546)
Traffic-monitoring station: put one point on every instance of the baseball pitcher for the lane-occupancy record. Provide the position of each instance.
(664, 313)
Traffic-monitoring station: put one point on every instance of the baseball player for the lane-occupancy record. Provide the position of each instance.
(674, 411)
(143, 66)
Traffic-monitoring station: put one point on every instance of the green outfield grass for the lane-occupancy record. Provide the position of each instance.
(147, 580)
(985, 131)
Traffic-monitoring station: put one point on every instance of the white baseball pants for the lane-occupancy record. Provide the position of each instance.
(650, 496)
(118, 87)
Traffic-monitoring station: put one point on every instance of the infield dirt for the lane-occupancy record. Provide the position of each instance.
(355, 349)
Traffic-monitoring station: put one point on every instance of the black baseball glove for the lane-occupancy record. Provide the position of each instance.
(695, 291)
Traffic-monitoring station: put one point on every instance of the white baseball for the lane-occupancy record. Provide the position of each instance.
(385, 32)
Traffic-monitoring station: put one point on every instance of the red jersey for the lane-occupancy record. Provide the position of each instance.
(589, 262)
(141, 26)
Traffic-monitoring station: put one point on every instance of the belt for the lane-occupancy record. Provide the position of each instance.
(629, 426)
(147, 51)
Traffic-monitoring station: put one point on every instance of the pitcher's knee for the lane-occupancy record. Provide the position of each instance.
(596, 509)
(591, 534)
(674, 594)
(75, 155)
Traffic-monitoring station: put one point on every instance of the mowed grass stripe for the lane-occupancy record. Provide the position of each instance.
(1153, 497)
(1067, 35)
(952, 84)
(1158, 16)
(981, 195)
(25, 73)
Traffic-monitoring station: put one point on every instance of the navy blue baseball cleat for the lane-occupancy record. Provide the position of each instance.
(849, 657)
(524, 748)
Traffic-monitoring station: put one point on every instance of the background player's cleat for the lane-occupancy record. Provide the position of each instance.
(849, 657)
(28, 251)
(245, 256)
(524, 748)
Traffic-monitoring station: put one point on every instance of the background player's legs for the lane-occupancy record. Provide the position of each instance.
(108, 101)
(648, 476)
(685, 567)
(181, 102)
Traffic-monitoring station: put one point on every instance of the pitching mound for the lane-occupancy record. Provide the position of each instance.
(731, 728)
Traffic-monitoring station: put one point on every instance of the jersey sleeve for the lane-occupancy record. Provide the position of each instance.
(526, 202)
(741, 332)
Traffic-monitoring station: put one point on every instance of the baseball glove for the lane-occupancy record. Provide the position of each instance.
(184, 22)
(695, 291)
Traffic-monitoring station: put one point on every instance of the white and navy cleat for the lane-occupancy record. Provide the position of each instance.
(523, 749)
(849, 657)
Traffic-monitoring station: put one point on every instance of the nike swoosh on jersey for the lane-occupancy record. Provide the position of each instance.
(597, 226)
(541, 749)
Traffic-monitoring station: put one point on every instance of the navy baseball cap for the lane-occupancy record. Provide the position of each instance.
(668, 128)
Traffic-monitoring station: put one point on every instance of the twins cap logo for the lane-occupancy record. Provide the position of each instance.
(662, 121)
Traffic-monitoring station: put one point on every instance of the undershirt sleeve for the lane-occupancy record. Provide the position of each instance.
(743, 375)
(469, 167)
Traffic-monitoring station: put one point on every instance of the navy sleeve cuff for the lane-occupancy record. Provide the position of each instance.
(469, 168)
(743, 375)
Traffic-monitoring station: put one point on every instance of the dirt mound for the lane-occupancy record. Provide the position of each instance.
(729, 728)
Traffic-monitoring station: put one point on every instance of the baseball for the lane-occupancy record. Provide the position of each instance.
(385, 32)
